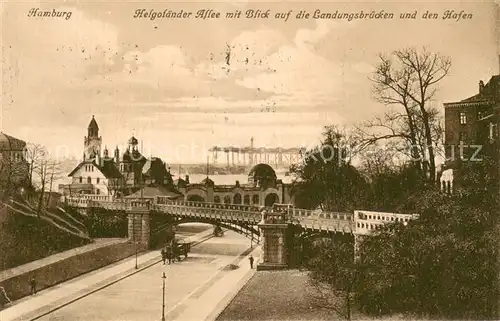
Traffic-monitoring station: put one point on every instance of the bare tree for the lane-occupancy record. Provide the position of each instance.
(33, 154)
(113, 185)
(42, 170)
(408, 79)
(55, 173)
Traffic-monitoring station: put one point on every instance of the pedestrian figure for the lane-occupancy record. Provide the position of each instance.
(251, 261)
(169, 257)
(163, 255)
(33, 285)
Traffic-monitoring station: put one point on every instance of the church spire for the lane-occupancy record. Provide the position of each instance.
(93, 129)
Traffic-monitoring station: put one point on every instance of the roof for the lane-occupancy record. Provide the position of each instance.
(134, 156)
(133, 141)
(207, 181)
(93, 123)
(490, 92)
(8, 142)
(152, 191)
(180, 182)
(155, 167)
(107, 168)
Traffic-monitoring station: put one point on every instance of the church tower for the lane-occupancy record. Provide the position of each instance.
(92, 143)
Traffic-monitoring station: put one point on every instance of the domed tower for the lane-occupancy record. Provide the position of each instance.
(132, 143)
(92, 142)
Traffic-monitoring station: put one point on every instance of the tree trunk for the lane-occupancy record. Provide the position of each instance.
(348, 304)
(415, 154)
(430, 147)
(50, 187)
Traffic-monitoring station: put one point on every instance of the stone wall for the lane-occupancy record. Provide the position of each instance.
(46, 276)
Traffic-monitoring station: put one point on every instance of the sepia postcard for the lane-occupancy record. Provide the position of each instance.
(249, 160)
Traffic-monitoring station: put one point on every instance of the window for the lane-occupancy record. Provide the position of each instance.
(255, 199)
(462, 137)
(98, 191)
(463, 118)
(246, 199)
(97, 180)
(89, 180)
(216, 199)
(81, 179)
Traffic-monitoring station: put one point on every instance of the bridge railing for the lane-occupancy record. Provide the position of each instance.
(275, 217)
(98, 197)
(241, 207)
(302, 213)
(77, 201)
(336, 225)
(207, 212)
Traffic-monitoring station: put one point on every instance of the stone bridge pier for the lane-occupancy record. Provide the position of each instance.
(273, 230)
(139, 229)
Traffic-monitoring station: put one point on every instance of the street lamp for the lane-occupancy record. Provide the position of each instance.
(163, 306)
(135, 245)
(134, 240)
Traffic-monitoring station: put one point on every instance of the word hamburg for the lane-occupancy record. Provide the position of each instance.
(35, 12)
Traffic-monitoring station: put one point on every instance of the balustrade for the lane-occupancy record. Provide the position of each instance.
(330, 221)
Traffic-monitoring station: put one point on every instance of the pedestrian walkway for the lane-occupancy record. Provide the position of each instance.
(55, 297)
(217, 293)
(34, 265)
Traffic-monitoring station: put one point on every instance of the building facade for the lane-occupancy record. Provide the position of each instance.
(262, 188)
(117, 175)
(14, 169)
(471, 129)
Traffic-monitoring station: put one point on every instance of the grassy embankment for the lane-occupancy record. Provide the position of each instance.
(26, 236)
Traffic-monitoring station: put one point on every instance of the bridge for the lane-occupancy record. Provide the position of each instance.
(267, 226)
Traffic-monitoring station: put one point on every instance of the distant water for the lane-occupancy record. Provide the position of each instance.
(229, 179)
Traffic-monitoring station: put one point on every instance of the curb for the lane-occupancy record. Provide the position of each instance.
(175, 313)
(228, 298)
(147, 264)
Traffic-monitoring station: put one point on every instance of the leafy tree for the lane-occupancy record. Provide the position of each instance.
(326, 178)
(333, 273)
(441, 266)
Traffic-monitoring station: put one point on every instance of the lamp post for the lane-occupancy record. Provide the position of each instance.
(135, 245)
(163, 306)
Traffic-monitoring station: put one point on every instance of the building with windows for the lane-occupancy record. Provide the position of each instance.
(14, 169)
(262, 189)
(471, 128)
(118, 175)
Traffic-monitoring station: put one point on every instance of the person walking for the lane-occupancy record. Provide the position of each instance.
(251, 261)
(33, 285)
(163, 255)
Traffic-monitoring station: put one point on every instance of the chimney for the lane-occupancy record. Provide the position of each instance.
(187, 179)
(481, 86)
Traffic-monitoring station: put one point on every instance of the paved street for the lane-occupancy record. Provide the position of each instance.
(194, 287)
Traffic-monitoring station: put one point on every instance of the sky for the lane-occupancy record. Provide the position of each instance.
(166, 81)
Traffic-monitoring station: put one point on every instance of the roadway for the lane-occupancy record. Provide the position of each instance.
(193, 288)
